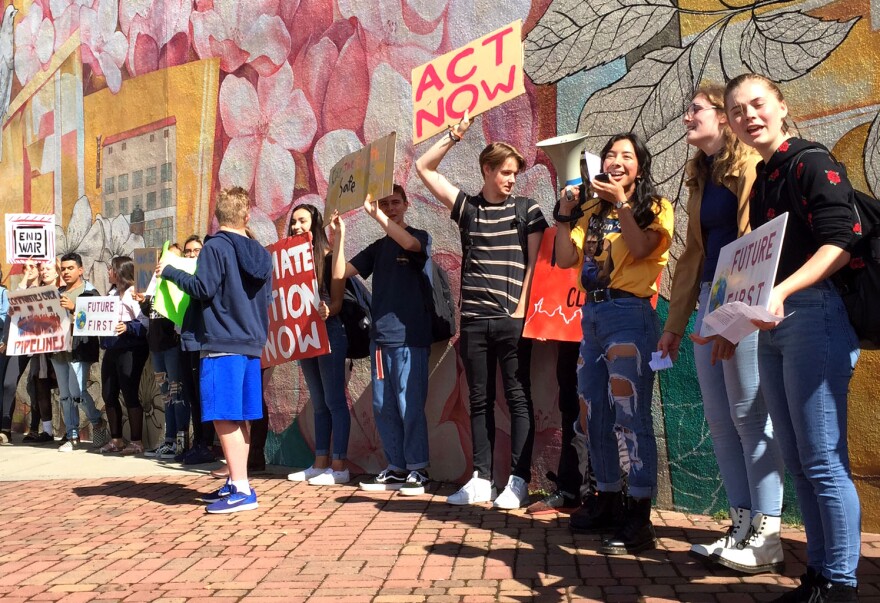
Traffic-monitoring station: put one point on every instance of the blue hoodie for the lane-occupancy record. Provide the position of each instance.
(233, 285)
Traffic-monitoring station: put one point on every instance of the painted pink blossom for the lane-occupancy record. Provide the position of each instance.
(158, 33)
(103, 47)
(238, 32)
(265, 124)
(34, 43)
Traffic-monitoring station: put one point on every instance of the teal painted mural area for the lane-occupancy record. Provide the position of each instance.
(289, 448)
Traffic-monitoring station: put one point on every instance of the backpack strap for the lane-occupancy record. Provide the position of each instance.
(521, 221)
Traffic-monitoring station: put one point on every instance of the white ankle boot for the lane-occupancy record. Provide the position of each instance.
(760, 551)
(736, 532)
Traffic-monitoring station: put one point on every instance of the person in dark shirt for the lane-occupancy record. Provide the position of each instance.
(807, 360)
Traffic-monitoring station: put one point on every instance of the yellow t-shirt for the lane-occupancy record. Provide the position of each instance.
(637, 276)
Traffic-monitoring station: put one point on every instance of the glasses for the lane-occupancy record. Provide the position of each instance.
(693, 109)
(192, 251)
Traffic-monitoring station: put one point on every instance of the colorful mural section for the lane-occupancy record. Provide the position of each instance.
(124, 117)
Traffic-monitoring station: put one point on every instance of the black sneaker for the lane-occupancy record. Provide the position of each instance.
(415, 483)
(808, 591)
(832, 592)
(199, 455)
(386, 480)
(43, 438)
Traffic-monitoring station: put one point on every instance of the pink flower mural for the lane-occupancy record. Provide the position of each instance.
(104, 48)
(34, 42)
(158, 33)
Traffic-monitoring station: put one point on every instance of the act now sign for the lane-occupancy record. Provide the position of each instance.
(475, 78)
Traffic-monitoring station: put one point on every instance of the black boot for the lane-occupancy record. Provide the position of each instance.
(637, 532)
(600, 512)
(807, 591)
(832, 592)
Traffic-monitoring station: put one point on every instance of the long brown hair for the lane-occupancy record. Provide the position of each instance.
(320, 244)
(123, 267)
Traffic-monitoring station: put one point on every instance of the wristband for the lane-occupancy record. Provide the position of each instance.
(453, 136)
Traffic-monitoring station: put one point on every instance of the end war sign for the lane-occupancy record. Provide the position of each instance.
(476, 77)
(295, 329)
(30, 237)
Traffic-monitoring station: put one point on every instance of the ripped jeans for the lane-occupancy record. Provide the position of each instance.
(616, 385)
(166, 366)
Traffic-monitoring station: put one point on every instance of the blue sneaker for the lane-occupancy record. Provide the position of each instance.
(234, 502)
(225, 491)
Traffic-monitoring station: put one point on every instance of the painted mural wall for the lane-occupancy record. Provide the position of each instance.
(124, 117)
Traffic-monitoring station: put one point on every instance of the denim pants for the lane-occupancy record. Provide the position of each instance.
(400, 390)
(325, 378)
(806, 364)
(742, 432)
(619, 336)
(73, 380)
(166, 365)
(485, 341)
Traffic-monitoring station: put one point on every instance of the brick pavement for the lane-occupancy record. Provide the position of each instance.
(148, 539)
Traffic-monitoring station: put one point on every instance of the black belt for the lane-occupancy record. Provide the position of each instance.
(601, 295)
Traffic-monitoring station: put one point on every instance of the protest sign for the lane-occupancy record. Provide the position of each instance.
(295, 329)
(745, 273)
(169, 300)
(367, 171)
(30, 237)
(554, 311)
(145, 261)
(96, 316)
(474, 78)
(39, 324)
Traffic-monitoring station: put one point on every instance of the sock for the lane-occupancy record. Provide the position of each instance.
(47, 427)
(242, 486)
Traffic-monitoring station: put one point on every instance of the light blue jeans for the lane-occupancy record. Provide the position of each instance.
(619, 336)
(73, 380)
(806, 364)
(399, 404)
(325, 378)
(742, 432)
(166, 366)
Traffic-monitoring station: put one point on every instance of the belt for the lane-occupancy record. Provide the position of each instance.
(602, 295)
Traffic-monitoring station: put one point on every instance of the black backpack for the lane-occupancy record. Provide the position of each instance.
(438, 296)
(858, 283)
(356, 317)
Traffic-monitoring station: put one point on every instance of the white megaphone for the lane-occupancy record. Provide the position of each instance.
(565, 152)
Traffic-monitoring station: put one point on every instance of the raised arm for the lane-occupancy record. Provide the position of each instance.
(202, 285)
(341, 269)
(392, 229)
(427, 164)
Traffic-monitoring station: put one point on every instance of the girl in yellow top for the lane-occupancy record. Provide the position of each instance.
(621, 330)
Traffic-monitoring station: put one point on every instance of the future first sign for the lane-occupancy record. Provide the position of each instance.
(30, 237)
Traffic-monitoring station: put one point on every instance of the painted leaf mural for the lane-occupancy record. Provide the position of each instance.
(872, 156)
(574, 35)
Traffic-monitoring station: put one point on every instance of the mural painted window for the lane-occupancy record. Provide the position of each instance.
(122, 182)
(151, 201)
(151, 176)
(156, 232)
(166, 198)
(137, 179)
(137, 201)
(166, 172)
(122, 201)
(110, 207)
(123, 206)
(109, 185)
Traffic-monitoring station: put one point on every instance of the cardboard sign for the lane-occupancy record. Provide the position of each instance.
(145, 261)
(30, 237)
(96, 316)
(745, 273)
(555, 301)
(367, 171)
(295, 329)
(476, 77)
(39, 324)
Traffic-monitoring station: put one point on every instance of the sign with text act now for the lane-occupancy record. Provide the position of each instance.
(476, 77)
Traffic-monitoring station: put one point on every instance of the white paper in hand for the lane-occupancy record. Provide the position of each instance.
(658, 363)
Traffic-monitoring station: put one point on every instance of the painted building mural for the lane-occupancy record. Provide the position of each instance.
(124, 117)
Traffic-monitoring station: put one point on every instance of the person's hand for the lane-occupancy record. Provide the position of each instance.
(611, 191)
(323, 310)
(776, 305)
(568, 200)
(669, 345)
(139, 297)
(371, 207)
(120, 328)
(67, 303)
(461, 127)
(336, 226)
(722, 349)
(160, 267)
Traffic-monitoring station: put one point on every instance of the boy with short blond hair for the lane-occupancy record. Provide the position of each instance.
(233, 284)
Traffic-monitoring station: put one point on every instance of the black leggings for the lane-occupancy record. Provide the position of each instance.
(40, 390)
(13, 368)
(203, 433)
(121, 371)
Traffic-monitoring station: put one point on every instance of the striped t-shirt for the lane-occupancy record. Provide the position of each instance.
(492, 276)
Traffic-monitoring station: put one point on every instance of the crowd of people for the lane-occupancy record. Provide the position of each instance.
(762, 397)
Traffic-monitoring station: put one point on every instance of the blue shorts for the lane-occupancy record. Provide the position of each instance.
(231, 388)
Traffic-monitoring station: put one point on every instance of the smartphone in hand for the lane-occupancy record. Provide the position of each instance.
(603, 177)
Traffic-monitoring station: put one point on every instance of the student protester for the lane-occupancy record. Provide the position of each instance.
(807, 360)
(233, 282)
(496, 276)
(72, 368)
(13, 367)
(125, 356)
(400, 338)
(325, 375)
(620, 332)
(719, 180)
(5, 432)
(203, 431)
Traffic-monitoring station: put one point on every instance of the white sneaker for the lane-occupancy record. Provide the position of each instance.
(305, 475)
(514, 495)
(477, 490)
(328, 477)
